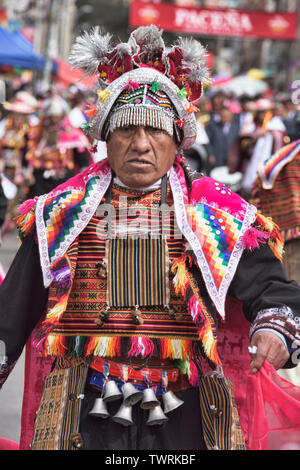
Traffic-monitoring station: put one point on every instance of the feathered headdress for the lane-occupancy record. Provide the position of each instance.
(143, 60)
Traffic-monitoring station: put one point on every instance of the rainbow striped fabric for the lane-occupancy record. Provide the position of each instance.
(271, 167)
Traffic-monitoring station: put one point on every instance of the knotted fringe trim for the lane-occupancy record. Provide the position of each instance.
(196, 307)
(60, 290)
(25, 221)
(276, 241)
(253, 237)
(188, 368)
(142, 115)
(181, 278)
(111, 346)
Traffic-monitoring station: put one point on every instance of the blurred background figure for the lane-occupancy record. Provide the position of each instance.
(268, 136)
(56, 149)
(221, 134)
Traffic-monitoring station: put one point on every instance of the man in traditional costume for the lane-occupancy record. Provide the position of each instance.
(131, 262)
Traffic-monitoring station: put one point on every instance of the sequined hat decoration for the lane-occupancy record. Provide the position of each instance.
(143, 60)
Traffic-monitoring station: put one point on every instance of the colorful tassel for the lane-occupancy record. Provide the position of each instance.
(143, 347)
(27, 205)
(180, 123)
(190, 108)
(209, 343)
(276, 241)
(253, 237)
(195, 310)
(62, 277)
(25, 223)
(132, 86)
(181, 279)
(193, 375)
(176, 348)
(182, 93)
(155, 86)
(103, 95)
(91, 110)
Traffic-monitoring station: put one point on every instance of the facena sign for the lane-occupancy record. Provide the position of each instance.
(220, 22)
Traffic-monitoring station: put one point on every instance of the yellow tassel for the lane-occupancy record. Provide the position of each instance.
(209, 343)
(25, 222)
(276, 241)
(92, 345)
(53, 346)
(180, 280)
(55, 312)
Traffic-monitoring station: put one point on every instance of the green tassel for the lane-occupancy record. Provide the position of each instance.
(182, 93)
(155, 86)
(183, 365)
(76, 345)
(86, 127)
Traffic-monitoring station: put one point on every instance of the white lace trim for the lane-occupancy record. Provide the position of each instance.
(88, 211)
(217, 296)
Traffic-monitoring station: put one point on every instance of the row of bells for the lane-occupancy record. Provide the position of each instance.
(131, 396)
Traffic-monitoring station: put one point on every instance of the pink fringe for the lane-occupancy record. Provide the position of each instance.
(132, 85)
(253, 237)
(193, 378)
(141, 347)
(195, 310)
(27, 205)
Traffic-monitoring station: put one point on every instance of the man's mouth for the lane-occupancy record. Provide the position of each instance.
(138, 161)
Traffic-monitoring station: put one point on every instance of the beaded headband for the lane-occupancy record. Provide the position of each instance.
(142, 65)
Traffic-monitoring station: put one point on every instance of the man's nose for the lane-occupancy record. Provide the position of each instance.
(140, 140)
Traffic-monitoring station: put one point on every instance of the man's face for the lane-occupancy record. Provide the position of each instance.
(140, 155)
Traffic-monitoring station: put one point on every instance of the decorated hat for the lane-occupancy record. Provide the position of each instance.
(23, 103)
(141, 83)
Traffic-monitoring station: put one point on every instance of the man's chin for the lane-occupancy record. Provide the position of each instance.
(139, 180)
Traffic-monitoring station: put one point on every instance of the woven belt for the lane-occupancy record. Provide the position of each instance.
(115, 370)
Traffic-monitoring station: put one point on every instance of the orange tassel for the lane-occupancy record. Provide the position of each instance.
(91, 110)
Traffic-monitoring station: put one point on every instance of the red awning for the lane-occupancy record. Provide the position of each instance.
(74, 77)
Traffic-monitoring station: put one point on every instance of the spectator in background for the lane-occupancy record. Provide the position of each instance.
(268, 137)
(221, 136)
(217, 102)
(291, 120)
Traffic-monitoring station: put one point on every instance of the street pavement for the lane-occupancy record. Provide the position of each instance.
(11, 394)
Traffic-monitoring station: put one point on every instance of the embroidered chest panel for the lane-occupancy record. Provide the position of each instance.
(89, 292)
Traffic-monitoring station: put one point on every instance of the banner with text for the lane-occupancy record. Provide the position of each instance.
(220, 22)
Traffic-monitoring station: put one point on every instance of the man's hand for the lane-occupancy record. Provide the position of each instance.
(269, 347)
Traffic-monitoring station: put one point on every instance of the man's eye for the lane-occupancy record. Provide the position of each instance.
(155, 130)
(126, 129)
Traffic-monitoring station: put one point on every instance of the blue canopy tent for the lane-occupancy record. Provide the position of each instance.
(16, 51)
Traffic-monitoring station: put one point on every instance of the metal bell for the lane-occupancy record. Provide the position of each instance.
(124, 415)
(156, 416)
(112, 392)
(149, 399)
(99, 409)
(171, 402)
(131, 394)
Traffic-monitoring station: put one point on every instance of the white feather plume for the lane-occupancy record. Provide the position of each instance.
(89, 49)
(149, 40)
(194, 59)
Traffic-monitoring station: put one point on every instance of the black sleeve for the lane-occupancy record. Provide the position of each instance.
(3, 205)
(22, 300)
(269, 299)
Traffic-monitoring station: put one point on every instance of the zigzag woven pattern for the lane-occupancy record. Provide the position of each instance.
(60, 213)
(271, 167)
(219, 232)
